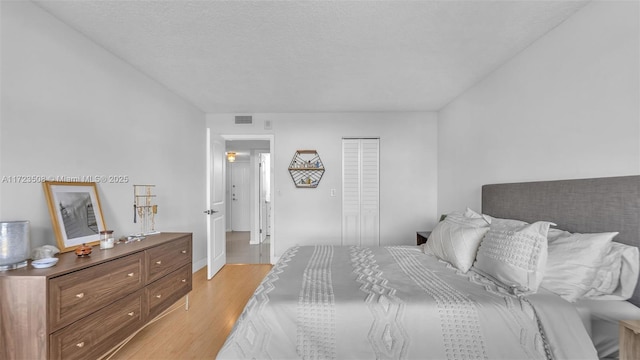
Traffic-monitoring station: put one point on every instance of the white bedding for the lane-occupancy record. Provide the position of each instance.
(601, 319)
(397, 303)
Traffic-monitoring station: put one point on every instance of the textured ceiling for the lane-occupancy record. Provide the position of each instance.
(314, 56)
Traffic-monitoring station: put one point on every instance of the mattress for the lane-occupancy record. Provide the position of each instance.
(336, 302)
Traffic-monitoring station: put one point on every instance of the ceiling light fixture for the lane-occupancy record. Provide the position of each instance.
(231, 156)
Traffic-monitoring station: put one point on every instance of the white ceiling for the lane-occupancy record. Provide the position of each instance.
(314, 56)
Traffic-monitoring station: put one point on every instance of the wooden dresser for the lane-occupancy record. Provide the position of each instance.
(82, 307)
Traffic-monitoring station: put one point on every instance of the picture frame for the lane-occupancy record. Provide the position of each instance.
(75, 212)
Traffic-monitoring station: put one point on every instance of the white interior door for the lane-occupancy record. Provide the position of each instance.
(351, 192)
(263, 190)
(361, 192)
(370, 193)
(240, 199)
(216, 240)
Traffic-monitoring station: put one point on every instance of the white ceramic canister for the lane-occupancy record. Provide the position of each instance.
(15, 244)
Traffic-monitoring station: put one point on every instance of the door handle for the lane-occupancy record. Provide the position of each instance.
(209, 212)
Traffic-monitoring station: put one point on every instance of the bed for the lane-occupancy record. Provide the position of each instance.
(406, 302)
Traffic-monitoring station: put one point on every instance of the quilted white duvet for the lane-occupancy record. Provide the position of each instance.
(333, 302)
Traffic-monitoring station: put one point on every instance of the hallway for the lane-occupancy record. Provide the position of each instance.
(239, 251)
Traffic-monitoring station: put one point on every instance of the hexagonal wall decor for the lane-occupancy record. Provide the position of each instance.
(306, 169)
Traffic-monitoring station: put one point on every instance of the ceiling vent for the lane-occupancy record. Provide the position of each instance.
(244, 120)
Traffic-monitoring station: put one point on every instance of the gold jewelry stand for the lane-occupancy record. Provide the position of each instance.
(144, 210)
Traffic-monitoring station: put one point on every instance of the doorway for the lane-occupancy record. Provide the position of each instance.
(248, 191)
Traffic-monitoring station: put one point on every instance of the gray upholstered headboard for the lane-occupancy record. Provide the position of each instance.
(583, 205)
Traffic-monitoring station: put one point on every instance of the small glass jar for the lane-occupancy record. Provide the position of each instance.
(106, 239)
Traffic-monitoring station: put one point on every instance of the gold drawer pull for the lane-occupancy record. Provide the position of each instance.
(130, 274)
(159, 262)
(131, 313)
(184, 251)
(159, 296)
(80, 344)
(80, 296)
(184, 280)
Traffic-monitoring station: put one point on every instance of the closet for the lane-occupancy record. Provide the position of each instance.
(361, 191)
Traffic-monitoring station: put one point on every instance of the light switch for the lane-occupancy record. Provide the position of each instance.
(333, 192)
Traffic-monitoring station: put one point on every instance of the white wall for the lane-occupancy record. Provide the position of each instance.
(408, 161)
(566, 107)
(70, 108)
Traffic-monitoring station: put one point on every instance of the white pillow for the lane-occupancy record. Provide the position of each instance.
(512, 222)
(474, 215)
(573, 262)
(514, 254)
(456, 238)
(607, 276)
(624, 261)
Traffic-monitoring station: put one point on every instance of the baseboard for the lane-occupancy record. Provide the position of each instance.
(199, 264)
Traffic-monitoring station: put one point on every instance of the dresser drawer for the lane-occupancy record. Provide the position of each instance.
(99, 332)
(166, 291)
(78, 294)
(164, 259)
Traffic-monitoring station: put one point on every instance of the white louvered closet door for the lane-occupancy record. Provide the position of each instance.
(361, 192)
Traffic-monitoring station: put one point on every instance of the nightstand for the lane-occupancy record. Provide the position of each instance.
(629, 339)
(422, 236)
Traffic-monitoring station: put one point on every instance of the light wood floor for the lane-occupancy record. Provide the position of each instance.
(200, 332)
